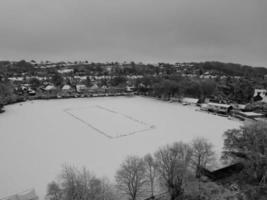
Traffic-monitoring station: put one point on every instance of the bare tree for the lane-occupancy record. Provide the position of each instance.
(203, 153)
(68, 179)
(108, 190)
(82, 185)
(173, 162)
(54, 191)
(131, 177)
(151, 172)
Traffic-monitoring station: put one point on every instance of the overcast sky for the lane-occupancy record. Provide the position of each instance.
(135, 30)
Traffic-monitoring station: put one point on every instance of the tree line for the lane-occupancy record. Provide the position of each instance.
(163, 79)
(228, 90)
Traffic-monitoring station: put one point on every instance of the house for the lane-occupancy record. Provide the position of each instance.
(25, 87)
(16, 78)
(260, 95)
(26, 195)
(219, 108)
(204, 107)
(50, 88)
(222, 173)
(248, 115)
(31, 92)
(175, 99)
(104, 87)
(239, 107)
(81, 88)
(129, 88)
(189, 101)
(65, 71)
(261, 92)
(66, 91)
(94, 87)
(66, 88)
(80, 78)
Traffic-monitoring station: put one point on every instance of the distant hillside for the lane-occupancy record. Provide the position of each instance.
(214, 67)
(232, 69)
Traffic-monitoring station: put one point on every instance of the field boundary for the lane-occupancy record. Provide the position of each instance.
(106, 134)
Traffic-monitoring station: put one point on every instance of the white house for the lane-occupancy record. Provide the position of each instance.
(261, 93)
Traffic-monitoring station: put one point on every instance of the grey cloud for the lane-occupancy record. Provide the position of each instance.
(140, 30)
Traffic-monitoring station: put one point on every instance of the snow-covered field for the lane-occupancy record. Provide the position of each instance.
(37, 137)
(119, 124)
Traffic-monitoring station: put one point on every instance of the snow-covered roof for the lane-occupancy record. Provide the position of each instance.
(204, 105)
(94, 87)
(80, 77)
(66, 87)
(219, 105)
(261, 92)
(80, 87)
(190, 100)
(252, 114)
(15, 78)
(63, 71)
(241, 106)
(50, 87)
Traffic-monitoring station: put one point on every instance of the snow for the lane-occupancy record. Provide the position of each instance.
(50, 87)
(251, 114)
(66, 87)
(190, 100)
(38, 137)
(119, 124)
